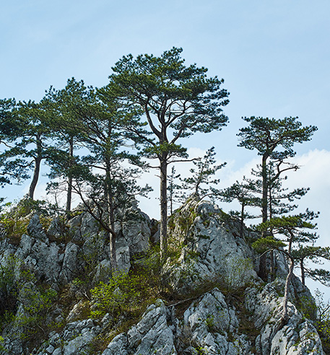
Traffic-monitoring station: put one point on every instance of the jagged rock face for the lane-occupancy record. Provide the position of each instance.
(63, 253)
(239, 317)
(211, 250)
(152, 335)
(298, 336)
(58, 262)
(211, 326)
(208, 326)
(74, 339)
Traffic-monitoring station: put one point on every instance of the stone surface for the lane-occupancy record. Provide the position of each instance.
(211, 250)
(35, 228)
(298, 336)
(213, 326)
(152, 335)
(70, 265)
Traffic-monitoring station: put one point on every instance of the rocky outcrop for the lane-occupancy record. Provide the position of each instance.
(208, 249)
(55, 258)
(63, 252)
(211, 326)
(217, 302)
(152, 335)
(298, 336)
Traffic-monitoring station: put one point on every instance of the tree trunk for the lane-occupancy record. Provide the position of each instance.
(264, 189)
(111, 221)
(272, 266)
(242, 220)
(69, 191)
(302, 269)
(263, 272)
(37, 163)
(163, 207)
(286, 293)
(36, 172)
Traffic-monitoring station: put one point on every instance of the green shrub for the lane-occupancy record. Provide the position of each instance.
(8, 291)
(115, 296)
(36, 305)
(131, 293)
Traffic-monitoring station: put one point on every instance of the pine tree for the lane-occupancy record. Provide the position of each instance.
(294, 232)
(274, 140)
(201, 182)
(105, 186)
(245, 193)
(176, 101)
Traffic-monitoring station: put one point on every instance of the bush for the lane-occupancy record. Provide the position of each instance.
(36, 304)
(130, 293)
(121, 293)
(8, 291)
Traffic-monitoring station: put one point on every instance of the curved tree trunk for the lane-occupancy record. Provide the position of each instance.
(263, 272)
(36, 172)
(302, 271)
(242, 220)
(286, 293)
(264, 189)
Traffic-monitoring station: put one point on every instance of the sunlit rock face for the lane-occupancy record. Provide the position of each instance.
(217, 305)
(208, 249)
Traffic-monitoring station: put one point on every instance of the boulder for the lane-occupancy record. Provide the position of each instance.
(152, 335)
(214, 327)
(297, 337)
(209, 250)
(35, 229)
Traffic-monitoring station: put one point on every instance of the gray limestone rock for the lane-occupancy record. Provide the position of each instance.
(297, 337)
(57, 229)
(102, 272)
(118, 345)
(152, 335)
(211, 250)
(35, 229)
(137, 232)
(123, 259)
(74, 339)
(213, 326)
(70, 266)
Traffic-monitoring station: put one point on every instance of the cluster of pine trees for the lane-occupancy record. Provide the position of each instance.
(98, 140)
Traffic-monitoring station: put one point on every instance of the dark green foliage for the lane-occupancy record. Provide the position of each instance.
(176, 101)
(8, 291)
(18, 287)
(36, 305)
(128, 294)
(274, 140)
(322, 322)
(314, 254)
(26, 143)
(294, 232)
(266, 135)
(67, 107)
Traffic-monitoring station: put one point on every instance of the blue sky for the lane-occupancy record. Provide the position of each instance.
(273, 55)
